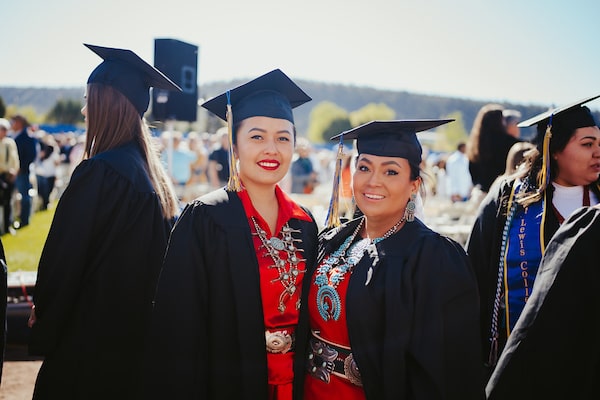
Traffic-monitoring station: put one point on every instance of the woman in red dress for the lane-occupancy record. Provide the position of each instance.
(228, 297)
(391, 311)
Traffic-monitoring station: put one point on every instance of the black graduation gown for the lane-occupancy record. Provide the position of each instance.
(491, 166)
(208, 335)
(414, 329)
(96, 279)
(483, 248)
(554, 350)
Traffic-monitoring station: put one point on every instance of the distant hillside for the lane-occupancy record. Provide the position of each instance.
(405, 104)
(351, 98)
(41, 99)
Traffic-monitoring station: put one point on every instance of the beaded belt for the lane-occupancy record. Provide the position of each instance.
(280, 341)
(326, 358)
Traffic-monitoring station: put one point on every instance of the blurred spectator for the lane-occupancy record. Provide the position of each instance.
(515, 161)
(218, 161)
(46, 169)
(177, 159)
(347, 204)
(516, 155)
(304, 177)
(198, 168)
(9, 167)
(458, 177)
(511, 120)
(439, 178)
(488, 146)
(76, 153)
(324, 162)
(27, 147)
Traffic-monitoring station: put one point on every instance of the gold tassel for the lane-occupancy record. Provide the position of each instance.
(234, 183)
(544, 175)
(333, 214)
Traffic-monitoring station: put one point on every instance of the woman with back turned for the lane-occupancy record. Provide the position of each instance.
(98, 270)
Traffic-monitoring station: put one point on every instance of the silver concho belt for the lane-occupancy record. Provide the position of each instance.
(326, 358)
(279, 341)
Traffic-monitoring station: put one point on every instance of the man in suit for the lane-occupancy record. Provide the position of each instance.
(27, 149)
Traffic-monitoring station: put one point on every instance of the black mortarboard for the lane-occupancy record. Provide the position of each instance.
(391, 138)
(567, 118)
(129, 74)
(273, 95)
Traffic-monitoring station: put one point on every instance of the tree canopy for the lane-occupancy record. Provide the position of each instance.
(371, 112)
(65, 112)
(325, 120)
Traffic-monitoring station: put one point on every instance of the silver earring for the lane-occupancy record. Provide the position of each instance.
(411, 206)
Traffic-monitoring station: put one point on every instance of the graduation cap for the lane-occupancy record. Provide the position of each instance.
(129, 74)
(571, 116)
(391, 138)
(272, 95)
(559, 123)
(382, 138)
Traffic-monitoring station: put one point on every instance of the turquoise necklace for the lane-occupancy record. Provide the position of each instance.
(335, 266)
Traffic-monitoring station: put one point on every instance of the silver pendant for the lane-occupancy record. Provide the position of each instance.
(277, 243)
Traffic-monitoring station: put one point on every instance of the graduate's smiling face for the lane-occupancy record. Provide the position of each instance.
(264, 147)
(579, 162)
(382, 186)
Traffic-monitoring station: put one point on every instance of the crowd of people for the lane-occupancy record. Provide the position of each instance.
(197, 271)
(34, 169)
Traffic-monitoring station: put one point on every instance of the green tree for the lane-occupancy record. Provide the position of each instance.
(371, 112)
(335, 127)
(451, 134)
(324, 119)
(65, 112)
(28, 112)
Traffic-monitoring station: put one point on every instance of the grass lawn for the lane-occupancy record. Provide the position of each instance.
(24, 249)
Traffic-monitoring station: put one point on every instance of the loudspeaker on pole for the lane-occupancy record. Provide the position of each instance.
(179, 61)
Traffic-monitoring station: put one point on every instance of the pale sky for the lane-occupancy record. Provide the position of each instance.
(543, 52)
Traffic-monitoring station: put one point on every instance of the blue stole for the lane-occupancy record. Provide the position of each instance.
(524, 250)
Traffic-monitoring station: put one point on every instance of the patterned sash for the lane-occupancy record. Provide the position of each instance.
(524, 249)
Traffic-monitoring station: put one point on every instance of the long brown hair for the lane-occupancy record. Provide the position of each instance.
(487, 127)
(113, 121)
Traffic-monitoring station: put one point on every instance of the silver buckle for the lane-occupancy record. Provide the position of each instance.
(279, 341)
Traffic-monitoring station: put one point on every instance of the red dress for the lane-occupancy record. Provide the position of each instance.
(280, 309)
(334, 331)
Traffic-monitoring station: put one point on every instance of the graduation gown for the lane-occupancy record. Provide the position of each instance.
(490, 166)
(414, 328)
(208, 334)
(96, 279)
(554, 351)
(483, 248)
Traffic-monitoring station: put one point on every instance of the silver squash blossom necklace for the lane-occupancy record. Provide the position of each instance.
(334, 267)
(288, 269)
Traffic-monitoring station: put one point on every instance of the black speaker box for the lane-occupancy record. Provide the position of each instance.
(179, 61)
